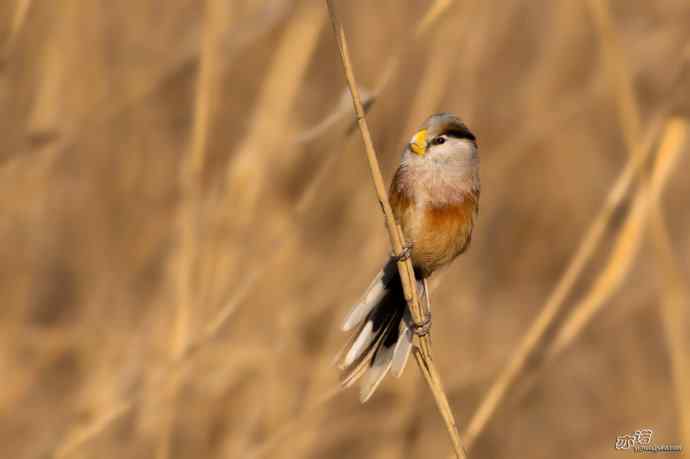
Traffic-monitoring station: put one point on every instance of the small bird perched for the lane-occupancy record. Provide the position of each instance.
(435, 198)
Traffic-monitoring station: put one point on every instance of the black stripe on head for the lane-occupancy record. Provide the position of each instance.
(459, 131)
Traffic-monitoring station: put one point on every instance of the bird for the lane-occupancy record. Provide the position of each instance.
(434, 195)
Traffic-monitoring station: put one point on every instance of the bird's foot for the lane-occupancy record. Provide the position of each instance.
(404, 255)
(422, 328)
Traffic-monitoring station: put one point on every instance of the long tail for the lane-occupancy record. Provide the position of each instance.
(383, 339)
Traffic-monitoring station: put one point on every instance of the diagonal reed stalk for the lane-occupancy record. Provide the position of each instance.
(534, 340)
(628, 240)
(646, 206)
(536, 336)
(422, 350)
(675, 314)
(18, 20)
(673, 295)
(618, 264)
(646, 198)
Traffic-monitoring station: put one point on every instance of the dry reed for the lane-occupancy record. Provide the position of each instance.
(185, 261)
(211, 332)
(279, 92)
(536, 338)
(672, 293)
(625, 248)
(422, 350)
(675, 314)
(21, 9)
(103, 115)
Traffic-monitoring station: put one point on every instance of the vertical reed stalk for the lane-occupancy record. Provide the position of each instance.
(422, 351)
(186, 257)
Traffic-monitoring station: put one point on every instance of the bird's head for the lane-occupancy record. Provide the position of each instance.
(444, 137)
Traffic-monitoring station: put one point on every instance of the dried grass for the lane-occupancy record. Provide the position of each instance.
(624, 250)
(419, 310)
(628, 240)
(21, 9)
(186, 215)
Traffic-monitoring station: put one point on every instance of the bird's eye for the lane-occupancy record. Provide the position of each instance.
(438, 140)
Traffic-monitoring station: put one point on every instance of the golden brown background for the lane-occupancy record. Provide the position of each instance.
(187, 214)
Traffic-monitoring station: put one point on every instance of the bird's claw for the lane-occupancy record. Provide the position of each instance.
(422, 328)
(404, 255)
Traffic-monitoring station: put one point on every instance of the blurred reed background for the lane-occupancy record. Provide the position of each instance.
(187, 214)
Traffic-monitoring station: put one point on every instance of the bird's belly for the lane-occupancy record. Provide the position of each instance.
(440, 234)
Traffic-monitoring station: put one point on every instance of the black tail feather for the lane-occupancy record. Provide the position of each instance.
(372, 348)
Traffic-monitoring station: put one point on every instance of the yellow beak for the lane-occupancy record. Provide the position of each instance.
(418, 143)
